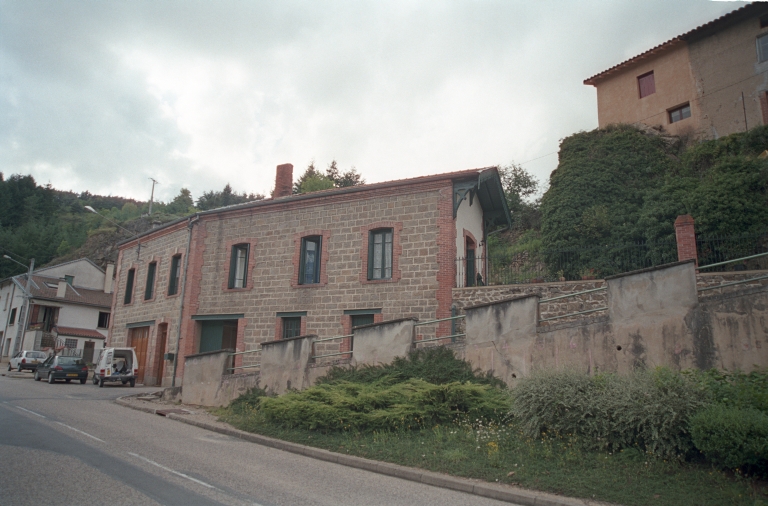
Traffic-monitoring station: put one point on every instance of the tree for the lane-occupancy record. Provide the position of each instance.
(349, 178)
(313, 180)
(519, 186)
(182, 203)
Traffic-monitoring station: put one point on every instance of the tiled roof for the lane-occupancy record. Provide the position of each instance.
(727, 18)
(76, 332)
(40, 290)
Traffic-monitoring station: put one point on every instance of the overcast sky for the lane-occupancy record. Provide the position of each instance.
(102, 95)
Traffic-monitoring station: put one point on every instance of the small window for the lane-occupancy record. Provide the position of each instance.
(679, 113)
(291, 327)
(361, 319)
(646, 84)
(173, 278)
(103, 320)
(70, 343)
(380, 254)
(238, 266)
(129, 286)
(762, 48)
(69, 279)
(309, 270)
(149, 290)
(13, 317)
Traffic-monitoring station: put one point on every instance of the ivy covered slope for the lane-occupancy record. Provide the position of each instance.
(621, 184)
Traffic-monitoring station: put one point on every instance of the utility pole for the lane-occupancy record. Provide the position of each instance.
(21, 323)
(152, 196)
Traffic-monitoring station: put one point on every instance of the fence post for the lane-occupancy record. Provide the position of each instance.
(686, 238)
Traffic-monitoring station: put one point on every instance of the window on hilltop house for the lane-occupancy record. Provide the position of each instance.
(291, 326)
(380, 254)
(309, 269)
(103, 320)
(69, 279)
(679, 113)
(173, 278)
(13, 317)
(149, 290)
(238, 266)
(646, 84)
(129, 286)
(762, 48)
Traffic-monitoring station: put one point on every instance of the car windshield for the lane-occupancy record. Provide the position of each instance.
(36, 354)
(70, 361)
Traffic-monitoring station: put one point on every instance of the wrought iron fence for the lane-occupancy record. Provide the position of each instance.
(713, 250)
(542, 265)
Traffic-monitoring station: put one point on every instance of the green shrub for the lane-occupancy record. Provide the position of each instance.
(436, 365)
(649, 410)
(736, 389)
(731, 437)
(411, 404)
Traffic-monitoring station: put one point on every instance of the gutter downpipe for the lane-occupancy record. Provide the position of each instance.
(181, 298)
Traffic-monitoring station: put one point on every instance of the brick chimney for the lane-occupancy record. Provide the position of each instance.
(283, 181)
(686, 238)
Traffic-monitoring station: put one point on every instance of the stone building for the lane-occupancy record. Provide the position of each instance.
(706, 83)
(317, 263)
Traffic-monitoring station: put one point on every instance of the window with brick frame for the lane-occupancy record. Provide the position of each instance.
(309, 267)
(291, 326)
(173, 277)
(238, 266)
(646, 84)
(679, 113)
(149, 290)
(380, 253)
(129, 286)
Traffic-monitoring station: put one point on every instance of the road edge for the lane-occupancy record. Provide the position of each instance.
(521, 497)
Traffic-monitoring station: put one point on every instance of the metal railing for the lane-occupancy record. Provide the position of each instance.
(743, 260)
(253, 366)
(717, 250)
(452, 337)
(332, 354)
(577, 313)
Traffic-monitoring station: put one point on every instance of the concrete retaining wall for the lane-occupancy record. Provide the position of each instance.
(380, 343)
(284, 364)
(202, 377)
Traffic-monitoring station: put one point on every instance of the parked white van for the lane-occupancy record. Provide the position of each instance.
(116, 364)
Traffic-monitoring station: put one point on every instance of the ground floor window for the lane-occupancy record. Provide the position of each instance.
(218, 335)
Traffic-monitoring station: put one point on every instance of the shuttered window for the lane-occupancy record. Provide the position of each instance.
(646, 84)
(129, 286)
(149, 290)
(173, 278)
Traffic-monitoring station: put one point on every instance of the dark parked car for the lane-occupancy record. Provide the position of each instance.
(66, 368)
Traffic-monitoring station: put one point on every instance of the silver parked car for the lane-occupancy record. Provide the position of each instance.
(26, 360)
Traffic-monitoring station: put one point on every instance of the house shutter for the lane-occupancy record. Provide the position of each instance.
(647, 84)
(33, 314)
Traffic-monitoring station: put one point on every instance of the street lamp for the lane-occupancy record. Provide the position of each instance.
(22, 328)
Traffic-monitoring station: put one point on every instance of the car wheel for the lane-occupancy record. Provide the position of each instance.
(51, 381)
(124, 382)
(9, 367)
(82, 381)
(37, 376)
(133, 383)
(101, 383)
(68, 380)
(20, 369)
(95, 380)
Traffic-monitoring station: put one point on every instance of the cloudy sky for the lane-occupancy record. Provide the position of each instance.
(102, 95)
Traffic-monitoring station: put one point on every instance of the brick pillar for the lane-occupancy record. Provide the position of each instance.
(686, 238)
(283, 181)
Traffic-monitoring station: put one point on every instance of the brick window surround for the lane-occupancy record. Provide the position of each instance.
(326, 237)
(397, 250)
(135, 269)
(156, 261)
(279, 323)
(250, 268)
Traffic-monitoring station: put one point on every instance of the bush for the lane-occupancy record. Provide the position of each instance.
(436, 365)
(731, 437)
(736, 389)
(411, 404)
(646, 409)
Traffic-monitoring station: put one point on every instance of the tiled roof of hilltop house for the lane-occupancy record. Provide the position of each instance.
(712, 25)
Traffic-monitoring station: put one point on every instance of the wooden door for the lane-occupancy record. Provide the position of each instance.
(162, 337)
(139, 340)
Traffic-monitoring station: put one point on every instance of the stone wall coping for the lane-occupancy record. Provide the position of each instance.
(207, 353)
(583, 322)
(508, 299)
(287, 340)
(378, 324)
(651, 269)
(523, 285)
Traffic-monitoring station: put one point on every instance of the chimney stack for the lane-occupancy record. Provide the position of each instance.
(283, 181)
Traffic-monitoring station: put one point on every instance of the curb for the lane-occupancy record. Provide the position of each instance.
(491, 491)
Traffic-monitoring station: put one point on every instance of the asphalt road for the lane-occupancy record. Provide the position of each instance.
(69, 444)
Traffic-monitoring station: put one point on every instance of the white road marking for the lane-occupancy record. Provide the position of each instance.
(28, 411)
(171, 470)
(81, 432)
